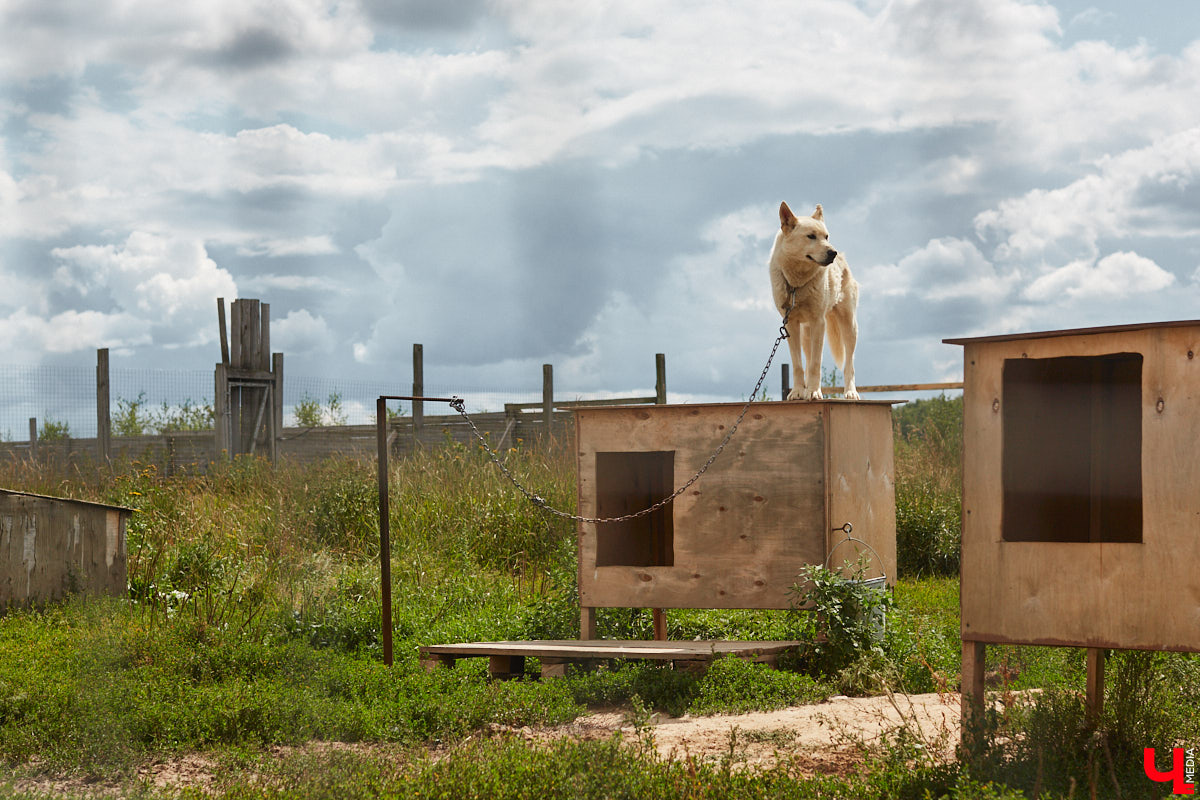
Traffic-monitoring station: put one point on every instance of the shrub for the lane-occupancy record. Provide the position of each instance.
(843, 618)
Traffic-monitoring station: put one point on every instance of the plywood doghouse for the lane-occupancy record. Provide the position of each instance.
(777, 498)
(51, 546)
(1081, 507)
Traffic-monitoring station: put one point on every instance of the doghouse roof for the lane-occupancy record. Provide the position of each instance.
(67, 500)
(1014, 337)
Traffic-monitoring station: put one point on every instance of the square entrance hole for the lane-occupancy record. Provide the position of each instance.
(627, 483)
(1072, 458)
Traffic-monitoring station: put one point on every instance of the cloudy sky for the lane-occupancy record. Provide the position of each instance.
(512, 183)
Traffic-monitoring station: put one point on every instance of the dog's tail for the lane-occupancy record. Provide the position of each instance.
(833, 333)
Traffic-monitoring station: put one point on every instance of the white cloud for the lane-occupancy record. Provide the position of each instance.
(1115, 275)
(1148, 191)
(31, 336)
(292, 283)
(277, 248)
(945, 269)
(169, 285)
(301, 332)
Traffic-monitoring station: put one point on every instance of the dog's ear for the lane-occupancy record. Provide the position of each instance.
(787, 220)
(819, 213)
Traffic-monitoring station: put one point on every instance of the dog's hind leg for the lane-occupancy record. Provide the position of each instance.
(843, 338)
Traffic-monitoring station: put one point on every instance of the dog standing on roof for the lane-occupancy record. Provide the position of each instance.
(813, 280)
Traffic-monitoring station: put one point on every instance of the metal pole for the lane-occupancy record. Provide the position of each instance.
(385, 543)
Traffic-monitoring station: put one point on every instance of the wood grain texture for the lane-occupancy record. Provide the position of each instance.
(1096, 594)
(761, 511)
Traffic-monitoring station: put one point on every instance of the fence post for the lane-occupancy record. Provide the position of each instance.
(547, 397)
(33, 437)
(103, 417)
(659, 615)
(221, 413)
(785, 372)
(276, 405)
(660, 379)
(385, 542)
(418, 364)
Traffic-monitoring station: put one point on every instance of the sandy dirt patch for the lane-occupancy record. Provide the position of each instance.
(832, 737)
(829, 738)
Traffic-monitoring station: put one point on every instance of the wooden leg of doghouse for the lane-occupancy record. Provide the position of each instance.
(973, 655)
(436, 661)
(660, 624)
(502, 666)
(1095, 683)
(587, 623)
(553, 668)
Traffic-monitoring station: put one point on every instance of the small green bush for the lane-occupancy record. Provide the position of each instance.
(842, 619)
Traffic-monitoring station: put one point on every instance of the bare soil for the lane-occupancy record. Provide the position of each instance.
(834, 737)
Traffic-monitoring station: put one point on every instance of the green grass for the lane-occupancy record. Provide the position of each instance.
(253, 621)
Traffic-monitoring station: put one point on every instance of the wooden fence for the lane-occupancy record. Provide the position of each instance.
(176, 452)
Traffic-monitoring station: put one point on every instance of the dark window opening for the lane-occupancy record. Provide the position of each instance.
(627, 483)
(1072, 459)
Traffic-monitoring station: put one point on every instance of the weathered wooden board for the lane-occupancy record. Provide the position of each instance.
(862, 490)
(50, 547)
(507, 659)
(1142, 595)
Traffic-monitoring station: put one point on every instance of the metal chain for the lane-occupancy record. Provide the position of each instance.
(459, 405)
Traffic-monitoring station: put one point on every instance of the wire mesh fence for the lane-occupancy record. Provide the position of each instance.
(63, 400)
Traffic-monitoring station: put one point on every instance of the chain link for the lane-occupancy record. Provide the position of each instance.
(459, 405)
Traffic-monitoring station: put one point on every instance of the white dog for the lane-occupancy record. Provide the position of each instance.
(814, 281)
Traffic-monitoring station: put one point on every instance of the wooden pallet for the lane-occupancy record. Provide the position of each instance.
(507, 659)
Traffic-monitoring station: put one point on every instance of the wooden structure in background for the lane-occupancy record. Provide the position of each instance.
(1081, 514)
(51, 546)
(776, 499)
(248, 389)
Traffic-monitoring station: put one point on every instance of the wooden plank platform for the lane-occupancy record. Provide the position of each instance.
(507, 659)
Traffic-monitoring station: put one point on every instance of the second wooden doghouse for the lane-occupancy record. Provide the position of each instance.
(779, 497)
(1081, 512)
(51, 546)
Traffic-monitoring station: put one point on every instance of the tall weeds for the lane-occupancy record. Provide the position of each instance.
(928, 450)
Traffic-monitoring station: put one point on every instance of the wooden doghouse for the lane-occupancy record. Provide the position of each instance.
(785, 491)
(1081, 506)
(779, 497)
(50, 546)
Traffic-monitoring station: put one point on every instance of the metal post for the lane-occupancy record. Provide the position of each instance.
(385, 543)
(786, 373)
(33, 437)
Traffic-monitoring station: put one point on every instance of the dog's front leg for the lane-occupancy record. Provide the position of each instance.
(795, 330)
(814, 340)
